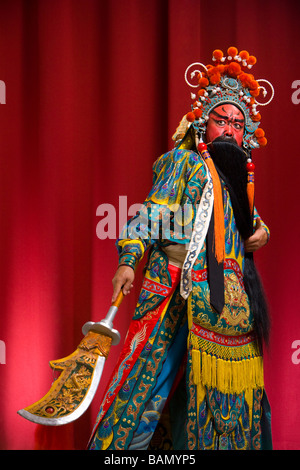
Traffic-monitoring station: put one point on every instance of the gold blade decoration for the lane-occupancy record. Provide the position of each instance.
(72, 392)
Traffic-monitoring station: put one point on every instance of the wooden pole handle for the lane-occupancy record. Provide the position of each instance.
(118, 300)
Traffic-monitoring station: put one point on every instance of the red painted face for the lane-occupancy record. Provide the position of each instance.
(225, 120)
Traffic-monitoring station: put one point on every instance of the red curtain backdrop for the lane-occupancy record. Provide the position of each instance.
(94, 92)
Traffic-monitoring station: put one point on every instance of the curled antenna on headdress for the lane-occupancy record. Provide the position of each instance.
(193, 73)
(265, 92)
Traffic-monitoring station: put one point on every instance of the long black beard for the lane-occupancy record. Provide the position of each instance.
(230, 162)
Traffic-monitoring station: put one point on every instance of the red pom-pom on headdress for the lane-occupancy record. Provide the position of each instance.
(203, 82)
(262, 141)
(201, 92)
(251, 60)
(254, 92)
(190, 116)
(232, 51)
(234, 69)
(244, 55)
(259, 133)
(215, 78)
(256, 117)
(197, 113)
(217, 54)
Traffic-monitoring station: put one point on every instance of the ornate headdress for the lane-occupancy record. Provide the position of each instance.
(227, 81)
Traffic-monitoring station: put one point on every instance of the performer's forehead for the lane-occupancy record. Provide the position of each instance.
(228, 111)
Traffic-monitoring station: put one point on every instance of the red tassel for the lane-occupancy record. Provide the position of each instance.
(250, 185)
(250, 191)
(218, 205)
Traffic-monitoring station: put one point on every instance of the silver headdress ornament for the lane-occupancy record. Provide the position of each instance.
(228, 81)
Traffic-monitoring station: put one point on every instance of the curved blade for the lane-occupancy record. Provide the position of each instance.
(72, 392)
(45, 405)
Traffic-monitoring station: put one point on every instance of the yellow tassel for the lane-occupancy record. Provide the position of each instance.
(206, 368)
(236, 374)
(220, 374)
(228, 376)
(196, 364)
(213, 371)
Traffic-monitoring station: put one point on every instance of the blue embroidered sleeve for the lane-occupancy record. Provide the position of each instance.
(170, 175)
(264, 226)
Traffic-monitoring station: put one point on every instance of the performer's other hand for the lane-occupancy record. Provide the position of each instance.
(258, 239)
(123, 279)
